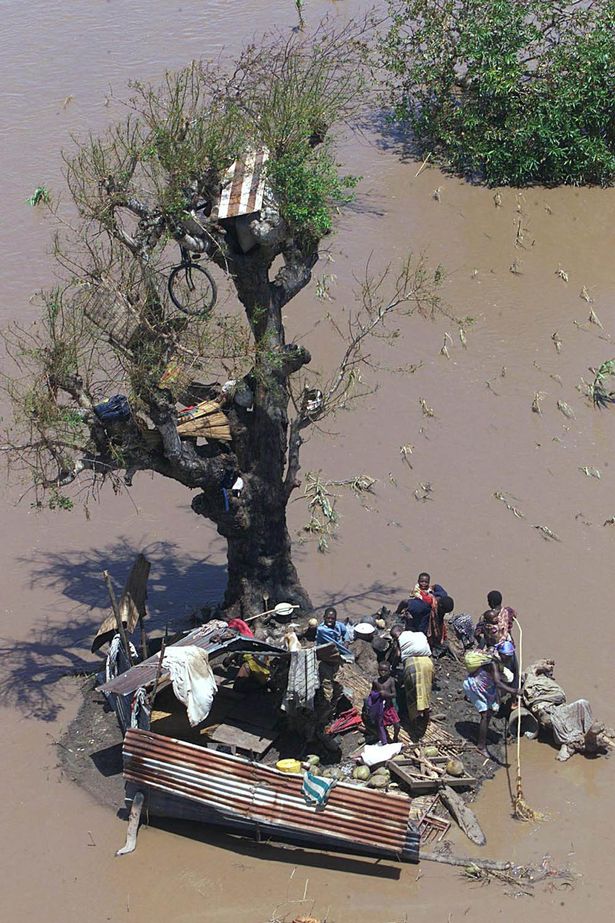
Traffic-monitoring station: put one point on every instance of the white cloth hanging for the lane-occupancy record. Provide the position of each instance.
(192, 678)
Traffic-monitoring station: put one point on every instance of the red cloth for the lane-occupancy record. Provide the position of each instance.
(242, 627)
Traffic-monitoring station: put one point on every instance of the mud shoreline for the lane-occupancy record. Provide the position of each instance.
(90, 751)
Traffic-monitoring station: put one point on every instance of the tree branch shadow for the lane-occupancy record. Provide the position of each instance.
(30, 668)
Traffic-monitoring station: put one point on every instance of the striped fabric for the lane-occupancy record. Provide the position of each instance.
(315, 789)
(243, 186)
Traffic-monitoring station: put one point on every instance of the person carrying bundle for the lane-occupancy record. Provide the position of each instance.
(482, 688)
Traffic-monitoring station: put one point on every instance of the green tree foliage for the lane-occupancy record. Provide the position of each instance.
(512, 91)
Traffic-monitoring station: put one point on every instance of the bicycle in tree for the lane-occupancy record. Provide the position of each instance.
(192, 288)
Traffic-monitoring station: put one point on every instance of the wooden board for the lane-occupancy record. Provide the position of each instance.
(240, 738)
(418, 785)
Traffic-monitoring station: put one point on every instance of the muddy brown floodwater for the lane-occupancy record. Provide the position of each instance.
(58, 843)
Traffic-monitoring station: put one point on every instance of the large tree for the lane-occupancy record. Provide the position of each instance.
(152, 182)
(511, 91)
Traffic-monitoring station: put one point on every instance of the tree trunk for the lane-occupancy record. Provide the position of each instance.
(254, 523)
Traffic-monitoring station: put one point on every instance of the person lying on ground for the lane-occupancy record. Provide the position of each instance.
(572, 725)
(482, 688)
(380, 704)
(415, 654)
(331, 631)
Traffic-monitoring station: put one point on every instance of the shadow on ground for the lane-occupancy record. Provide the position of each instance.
(29, 668)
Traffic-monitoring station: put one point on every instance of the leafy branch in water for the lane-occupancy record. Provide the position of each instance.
(40, 196)
(324, 519)
(599, 392)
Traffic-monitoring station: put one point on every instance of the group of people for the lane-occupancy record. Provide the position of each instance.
(416, 641)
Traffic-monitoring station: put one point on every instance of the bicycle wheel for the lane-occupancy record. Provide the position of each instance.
(192, 289)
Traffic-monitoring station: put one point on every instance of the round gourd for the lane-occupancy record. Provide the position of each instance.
(361, 773)
(455, 768)
(378, 781)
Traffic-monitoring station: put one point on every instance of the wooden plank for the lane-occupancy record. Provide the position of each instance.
(233, 736)
(410, 776)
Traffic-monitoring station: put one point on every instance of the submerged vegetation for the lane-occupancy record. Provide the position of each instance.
(514, 92)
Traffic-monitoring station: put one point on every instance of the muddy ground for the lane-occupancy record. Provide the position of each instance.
(90, 750)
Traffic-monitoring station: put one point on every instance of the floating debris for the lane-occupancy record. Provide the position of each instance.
(548, 534)
(392, 479)
(609, 522)
(497, 200)
(557, 379)
(563, 275)
(581, 516)
(589, 471)
(566, 409)
(67, 101)
(436, 193)
(492, 389)
(444, 351)
(406, 451)
(427, 411)
(556, 341)
(509, 506)
(423, 491)
(584, 387)
(323, 287)
(503, 372)
(538, 396)
(594, 319)
(462, 338)
(515, 268)
(584, 294)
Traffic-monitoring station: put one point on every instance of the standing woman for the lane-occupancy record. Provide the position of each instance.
(482, 688)
(415, 654)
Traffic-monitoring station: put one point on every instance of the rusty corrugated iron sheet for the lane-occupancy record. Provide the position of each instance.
(236, 793)
(243, 186)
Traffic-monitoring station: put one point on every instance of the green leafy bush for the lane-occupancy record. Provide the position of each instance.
(514, 92)
(308, 187)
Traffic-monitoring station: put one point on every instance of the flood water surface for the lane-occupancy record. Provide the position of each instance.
(504, 270)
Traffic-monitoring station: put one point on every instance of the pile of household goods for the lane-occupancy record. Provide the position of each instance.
(399, 702)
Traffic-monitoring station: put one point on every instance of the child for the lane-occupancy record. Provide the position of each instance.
(380, 704)
(486, 632)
